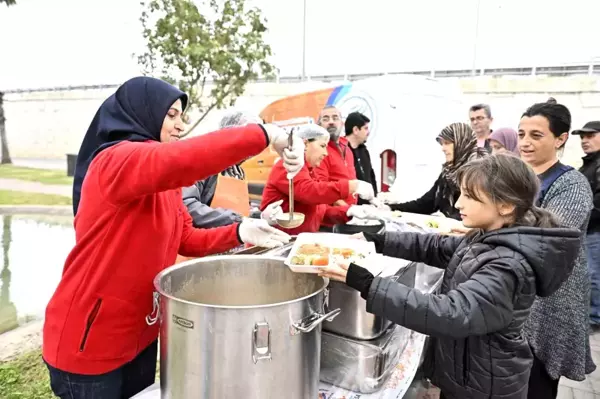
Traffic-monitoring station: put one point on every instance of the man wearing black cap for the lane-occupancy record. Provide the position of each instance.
(590, 143)
(357, 131)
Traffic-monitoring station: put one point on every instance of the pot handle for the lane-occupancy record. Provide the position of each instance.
(309, 323)
(152, 318)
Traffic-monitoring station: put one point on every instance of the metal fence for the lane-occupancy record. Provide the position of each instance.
(553, 70)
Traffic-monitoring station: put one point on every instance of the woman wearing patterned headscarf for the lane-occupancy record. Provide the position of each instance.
(459, 145)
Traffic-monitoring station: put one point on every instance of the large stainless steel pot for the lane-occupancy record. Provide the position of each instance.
(354, 321)
(239, 326)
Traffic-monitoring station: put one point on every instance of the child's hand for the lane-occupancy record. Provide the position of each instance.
(338, 271)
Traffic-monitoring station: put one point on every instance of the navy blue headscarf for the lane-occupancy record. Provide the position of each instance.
(135, 112)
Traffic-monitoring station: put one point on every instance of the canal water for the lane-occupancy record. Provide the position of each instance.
(33, 250)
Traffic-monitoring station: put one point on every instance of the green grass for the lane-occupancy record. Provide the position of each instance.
(38, 175)
(25, 377)
(9, 197)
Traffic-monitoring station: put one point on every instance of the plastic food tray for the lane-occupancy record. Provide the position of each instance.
(331, 241)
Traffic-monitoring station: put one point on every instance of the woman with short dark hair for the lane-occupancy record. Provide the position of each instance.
(557, 329)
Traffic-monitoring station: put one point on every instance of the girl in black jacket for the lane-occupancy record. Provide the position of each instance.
(492, 275)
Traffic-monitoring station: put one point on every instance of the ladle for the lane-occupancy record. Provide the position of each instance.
(290, 220)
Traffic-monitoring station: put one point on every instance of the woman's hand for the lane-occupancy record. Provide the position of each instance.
(363, 212)
(293, 158)
(271, 212)
(338, 271)
(258, 232)
(379, 204)
(363, 189)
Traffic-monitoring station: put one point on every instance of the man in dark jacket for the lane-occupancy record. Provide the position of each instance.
(357, 131)
(197, 199)
(590, 143)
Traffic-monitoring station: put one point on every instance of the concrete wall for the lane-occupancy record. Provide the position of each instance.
(47, 125)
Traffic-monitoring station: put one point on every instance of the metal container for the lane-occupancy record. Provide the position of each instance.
(362, 366)
(355, 229)
(354, 321)
(239, 326)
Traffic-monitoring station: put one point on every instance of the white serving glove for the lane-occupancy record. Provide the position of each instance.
(379, 204)
(362, 212)
(293, 160)
(364, 190)
(271, 212)
(258, 232)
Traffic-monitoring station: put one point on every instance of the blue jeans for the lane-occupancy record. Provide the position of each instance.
(124, 382)
(593, 256)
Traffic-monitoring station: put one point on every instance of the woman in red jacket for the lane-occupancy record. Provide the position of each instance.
(130, 224)
(312, 197)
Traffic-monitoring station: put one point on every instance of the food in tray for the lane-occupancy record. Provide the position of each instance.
(312, 249)
(310, 260)
(434, 224)
(347, 254)
(311, 255)
(320, 255)
(344, 252)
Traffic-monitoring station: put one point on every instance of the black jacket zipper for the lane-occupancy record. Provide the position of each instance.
(466, 362)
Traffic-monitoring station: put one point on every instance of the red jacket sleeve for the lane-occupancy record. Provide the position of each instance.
(202, 242)
(336, 214)
(133, 169)
(308, 190)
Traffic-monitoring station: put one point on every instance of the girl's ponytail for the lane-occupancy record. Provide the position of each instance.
(538, 217)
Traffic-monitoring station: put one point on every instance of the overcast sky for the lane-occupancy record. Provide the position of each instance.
(47, 43)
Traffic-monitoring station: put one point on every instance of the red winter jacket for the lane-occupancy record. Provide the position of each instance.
(131, 224)
(311, 197)
(338, 165)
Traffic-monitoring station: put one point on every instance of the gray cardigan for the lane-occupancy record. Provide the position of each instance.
(557, 328)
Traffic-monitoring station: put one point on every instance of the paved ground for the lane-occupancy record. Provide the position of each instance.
(590, 388)
(35, 187)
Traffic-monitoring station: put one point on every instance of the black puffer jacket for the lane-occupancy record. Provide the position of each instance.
(491, 280)
(591, 170)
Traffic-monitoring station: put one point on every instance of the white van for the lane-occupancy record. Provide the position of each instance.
(407, 112)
